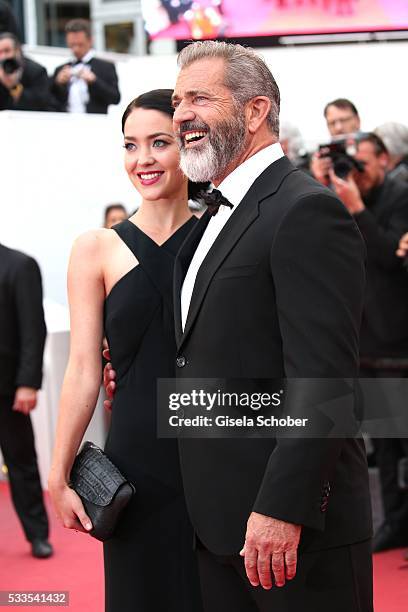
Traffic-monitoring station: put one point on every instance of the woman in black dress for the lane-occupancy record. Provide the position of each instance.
(120, 285)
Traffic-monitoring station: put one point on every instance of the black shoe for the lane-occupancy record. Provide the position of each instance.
(389, 536)
(41, 549)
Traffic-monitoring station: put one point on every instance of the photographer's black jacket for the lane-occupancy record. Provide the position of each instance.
(35, 96)
(384, 330)
(22, 325)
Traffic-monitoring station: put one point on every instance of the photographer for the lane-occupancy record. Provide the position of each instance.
(379, 205)
(341, 118)
(87, 84)
(395, 137)
(23, 83)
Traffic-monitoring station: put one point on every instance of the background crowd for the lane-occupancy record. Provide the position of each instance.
(367, 170)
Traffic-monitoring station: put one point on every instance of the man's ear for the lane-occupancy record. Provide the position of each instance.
(257, 110)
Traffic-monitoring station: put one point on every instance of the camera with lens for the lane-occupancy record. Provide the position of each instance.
(342, 152)
(10, 65)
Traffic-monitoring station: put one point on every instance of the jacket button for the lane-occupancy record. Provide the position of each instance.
(181, 362)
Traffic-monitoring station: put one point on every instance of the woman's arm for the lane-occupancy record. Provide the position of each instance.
(82, 379)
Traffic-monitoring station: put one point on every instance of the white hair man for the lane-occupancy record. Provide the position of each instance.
(271, 284)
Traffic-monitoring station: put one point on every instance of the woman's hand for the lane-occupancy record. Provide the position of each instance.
(69, 508)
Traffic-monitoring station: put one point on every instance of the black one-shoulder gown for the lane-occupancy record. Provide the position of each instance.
(149, 563)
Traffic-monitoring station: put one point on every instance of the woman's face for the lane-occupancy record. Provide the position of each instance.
(152, 155)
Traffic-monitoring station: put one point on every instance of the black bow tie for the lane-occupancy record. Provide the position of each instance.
(78, 62)
(214, 199)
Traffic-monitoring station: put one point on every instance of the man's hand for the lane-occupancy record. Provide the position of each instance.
(25, 400)
(87, 75)
(348, 193)
(403, 246)
(320, 167)
(64, 75)
(109, 376)
(270, 543)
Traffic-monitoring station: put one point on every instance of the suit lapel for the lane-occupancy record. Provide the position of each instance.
(266, 184)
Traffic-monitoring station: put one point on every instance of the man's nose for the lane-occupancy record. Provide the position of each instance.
(181, 114)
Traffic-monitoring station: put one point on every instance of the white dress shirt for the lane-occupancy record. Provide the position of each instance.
(233, 187)
(78, 94)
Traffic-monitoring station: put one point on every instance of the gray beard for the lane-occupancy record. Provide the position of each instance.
(211, 160)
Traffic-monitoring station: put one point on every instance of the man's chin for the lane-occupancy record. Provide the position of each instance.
(364, 189)
(196, 167)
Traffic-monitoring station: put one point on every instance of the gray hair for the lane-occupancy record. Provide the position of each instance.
(246, 74)
(291, 133)
(395, 137)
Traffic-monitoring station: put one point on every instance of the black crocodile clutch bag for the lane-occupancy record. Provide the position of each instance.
(103, 490)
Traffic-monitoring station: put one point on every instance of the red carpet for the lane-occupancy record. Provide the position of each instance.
(77, 567)
(390, 582)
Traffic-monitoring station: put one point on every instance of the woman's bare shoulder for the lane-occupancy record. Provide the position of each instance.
(94, 242)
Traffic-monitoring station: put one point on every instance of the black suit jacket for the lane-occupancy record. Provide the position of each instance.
(35, 96)
(102, 92)
(280, 294)
(384, 330)
(22, 325)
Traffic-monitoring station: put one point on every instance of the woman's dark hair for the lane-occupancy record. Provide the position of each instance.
(160, 100)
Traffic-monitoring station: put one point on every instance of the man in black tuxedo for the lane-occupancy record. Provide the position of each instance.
(272, 287)
(87, 84)
(23, 82)
(22, 338)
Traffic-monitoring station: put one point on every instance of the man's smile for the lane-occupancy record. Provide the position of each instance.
(192, 135)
